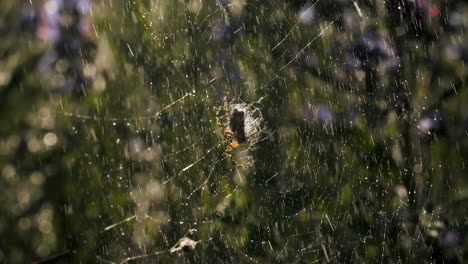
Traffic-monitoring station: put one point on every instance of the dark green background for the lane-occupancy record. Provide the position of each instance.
(363, 186)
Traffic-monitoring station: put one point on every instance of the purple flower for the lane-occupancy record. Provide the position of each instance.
(49, 21)
(434, 123)
(450, 239)
(320, 114)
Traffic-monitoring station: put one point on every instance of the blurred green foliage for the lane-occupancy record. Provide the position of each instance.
(110, 146)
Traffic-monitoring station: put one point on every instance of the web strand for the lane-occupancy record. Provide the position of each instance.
(123, 119)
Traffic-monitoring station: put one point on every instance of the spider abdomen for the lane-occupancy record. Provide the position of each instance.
(236, 123)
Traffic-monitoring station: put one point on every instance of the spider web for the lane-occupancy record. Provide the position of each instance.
(224, 186)
(167, 203)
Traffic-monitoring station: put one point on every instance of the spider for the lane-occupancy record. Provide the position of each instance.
(235, 132)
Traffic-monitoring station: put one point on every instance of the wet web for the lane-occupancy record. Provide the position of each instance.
(136, 221)
(203, 169)
(259, 132)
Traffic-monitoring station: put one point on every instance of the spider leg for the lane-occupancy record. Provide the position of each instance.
(226, 131)
(224, 108)
(218, 119)
(233, 146)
